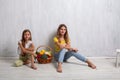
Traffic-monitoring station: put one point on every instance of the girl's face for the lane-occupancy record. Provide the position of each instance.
(27, 36)
(62, 31)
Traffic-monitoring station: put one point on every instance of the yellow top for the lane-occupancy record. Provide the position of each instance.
(57, 48)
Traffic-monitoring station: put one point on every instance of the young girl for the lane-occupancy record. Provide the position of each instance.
(26, 47)
(64, 50)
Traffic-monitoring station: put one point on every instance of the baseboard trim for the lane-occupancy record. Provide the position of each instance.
(71, 57)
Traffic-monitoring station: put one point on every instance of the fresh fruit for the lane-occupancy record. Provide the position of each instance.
(48, 53)
(42, 52)
(38, 55)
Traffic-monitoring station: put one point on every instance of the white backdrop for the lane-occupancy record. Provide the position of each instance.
(94, 25)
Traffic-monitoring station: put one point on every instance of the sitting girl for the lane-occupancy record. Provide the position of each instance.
(64, 50)
(26, 48)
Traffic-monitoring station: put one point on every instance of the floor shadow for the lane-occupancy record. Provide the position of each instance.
(54, 63)
(76, 63)
(10, 61)
(51, 44)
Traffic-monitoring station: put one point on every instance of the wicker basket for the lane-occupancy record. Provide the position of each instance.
(46, 48)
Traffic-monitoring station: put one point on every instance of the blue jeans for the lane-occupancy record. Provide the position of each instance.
(64, 54)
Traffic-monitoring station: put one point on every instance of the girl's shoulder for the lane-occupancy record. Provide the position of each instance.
(55, 39)
(20, 41)
(29, 42)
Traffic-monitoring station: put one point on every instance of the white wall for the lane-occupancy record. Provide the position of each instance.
(93, 24)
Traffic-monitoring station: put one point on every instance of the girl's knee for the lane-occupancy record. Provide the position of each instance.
(64, 50)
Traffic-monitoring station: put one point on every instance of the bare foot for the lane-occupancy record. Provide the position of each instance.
(92, 66)
(34, 67)
(59, 69)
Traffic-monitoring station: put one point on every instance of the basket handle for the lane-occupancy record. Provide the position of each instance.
(44, 46)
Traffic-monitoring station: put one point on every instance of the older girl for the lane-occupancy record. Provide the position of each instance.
(64, 50)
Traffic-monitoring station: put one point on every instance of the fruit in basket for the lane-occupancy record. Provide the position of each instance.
(42, 52)
(48, 53)
(38, 55)
(44, 56)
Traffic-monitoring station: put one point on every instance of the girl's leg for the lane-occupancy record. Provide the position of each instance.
(76, 55)
(32, 53)
(90, 64)
(27, 62)
(32, 63)
(80, 57)
(60, 57)
(59, 68)
(67, 56)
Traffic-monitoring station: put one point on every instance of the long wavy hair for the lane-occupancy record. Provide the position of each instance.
(23, 39)
(66, 36)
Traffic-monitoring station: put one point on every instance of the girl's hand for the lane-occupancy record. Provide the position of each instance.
(74, 49)
(62, 46)
(22, 54)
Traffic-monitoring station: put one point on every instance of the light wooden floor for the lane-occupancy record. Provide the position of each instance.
(73, 70)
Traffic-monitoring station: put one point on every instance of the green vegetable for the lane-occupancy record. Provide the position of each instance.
(44, 56)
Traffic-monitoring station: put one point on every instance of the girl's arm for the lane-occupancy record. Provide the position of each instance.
(21, 47)
(68, 46)
(26, 50)
(60, 45)
(32, 48)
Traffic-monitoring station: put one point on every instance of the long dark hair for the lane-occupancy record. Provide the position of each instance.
(23, 40)
(66, 36)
